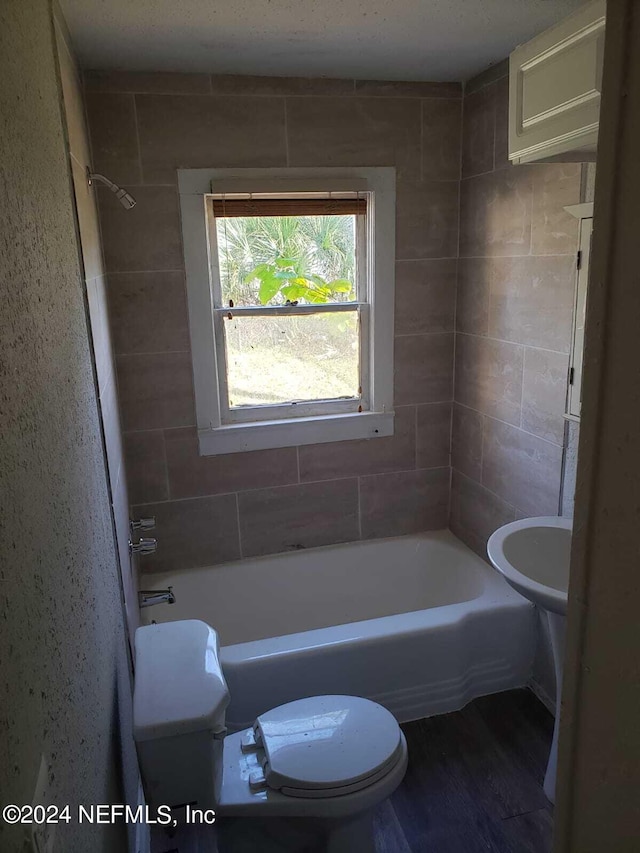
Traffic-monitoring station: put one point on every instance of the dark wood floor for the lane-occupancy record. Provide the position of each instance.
(473, 785)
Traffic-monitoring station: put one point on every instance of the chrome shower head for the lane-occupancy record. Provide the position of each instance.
(125, 199)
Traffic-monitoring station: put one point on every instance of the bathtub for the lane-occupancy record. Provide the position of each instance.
(418, 623)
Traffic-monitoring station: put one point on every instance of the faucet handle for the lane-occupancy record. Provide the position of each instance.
(143, 523)
(143, 546)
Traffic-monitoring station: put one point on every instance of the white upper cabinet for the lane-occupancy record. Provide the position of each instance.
(554, 89)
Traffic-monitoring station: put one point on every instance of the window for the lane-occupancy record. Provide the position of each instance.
(290, 279)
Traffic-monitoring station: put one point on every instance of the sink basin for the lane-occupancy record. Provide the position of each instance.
(533, 555)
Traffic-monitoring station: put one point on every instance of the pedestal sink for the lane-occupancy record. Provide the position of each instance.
(533, 555)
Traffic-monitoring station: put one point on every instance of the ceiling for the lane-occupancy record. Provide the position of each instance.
(365, 39)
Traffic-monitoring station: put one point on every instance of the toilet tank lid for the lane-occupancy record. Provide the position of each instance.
(179, 685)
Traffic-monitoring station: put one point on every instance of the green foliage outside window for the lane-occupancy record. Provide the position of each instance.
(279, 259)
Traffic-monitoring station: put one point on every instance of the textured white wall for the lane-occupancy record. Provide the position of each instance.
(96, 290)
(65, 683)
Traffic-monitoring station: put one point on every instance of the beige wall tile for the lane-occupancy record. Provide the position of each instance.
(156, 391)
(408, 89)
(433, 435)
(191, 475)
(148, 312)
(521, 469)
(553, 230)
(544, 393)
(144, 238)
(425, 296)
(146, 466)
(423, 368)
(88, 223)
(489, 377)
(114, 137)
(474, 289)
(476, 512)
(73, 101)
(192, 533)
(501, 145)
(427, 219)
(100, 333)
(192, 131)
(478, 131)
(466, 441)
(129, 568)
(233, 84)
(498, 71)
(367, 456)
(355, 132)
(110, 414)
(532, 301)
(165, 82)
(402, 503)
(441, 124)
(293, 517)
(495, 214)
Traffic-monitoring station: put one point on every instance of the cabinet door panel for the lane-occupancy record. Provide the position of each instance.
(555, 82)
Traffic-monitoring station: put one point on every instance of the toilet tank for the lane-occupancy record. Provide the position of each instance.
(179, 703)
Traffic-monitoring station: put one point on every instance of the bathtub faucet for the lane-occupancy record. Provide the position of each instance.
(149, 597)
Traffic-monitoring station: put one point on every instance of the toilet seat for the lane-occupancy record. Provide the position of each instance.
(323, 746)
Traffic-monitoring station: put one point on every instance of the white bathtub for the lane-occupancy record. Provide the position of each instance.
(418, 623)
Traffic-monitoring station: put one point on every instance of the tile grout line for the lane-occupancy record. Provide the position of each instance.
(522, 373)
(324, 482)
(154, 352)
(487, 489)
(482, 436)
(506, 423)
(455, 310)
(571, 255)
(421, 141)
(286, 133)
(135, 121)
(166, 466)
(237, 499)
(145, 272)
(353, 92)
(500, 341)
(423, 334)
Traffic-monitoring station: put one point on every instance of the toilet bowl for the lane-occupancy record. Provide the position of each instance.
(306, 776)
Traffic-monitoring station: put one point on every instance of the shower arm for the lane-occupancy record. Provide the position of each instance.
(126, 200)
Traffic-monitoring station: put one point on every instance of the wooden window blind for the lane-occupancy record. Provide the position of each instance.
(288, 207)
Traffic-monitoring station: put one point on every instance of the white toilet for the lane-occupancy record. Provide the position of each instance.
(308, 774)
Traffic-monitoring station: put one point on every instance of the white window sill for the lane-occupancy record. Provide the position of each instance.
(265, 435)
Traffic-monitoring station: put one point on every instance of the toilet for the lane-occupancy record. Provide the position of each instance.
(306, 776)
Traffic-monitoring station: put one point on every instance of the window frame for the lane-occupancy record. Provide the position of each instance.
(317, 422)
(312, 408)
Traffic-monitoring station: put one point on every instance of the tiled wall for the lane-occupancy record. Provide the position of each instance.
(96, 285)
(211, 509)
(513, 325)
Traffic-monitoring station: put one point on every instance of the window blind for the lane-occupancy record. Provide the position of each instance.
(288, 207)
